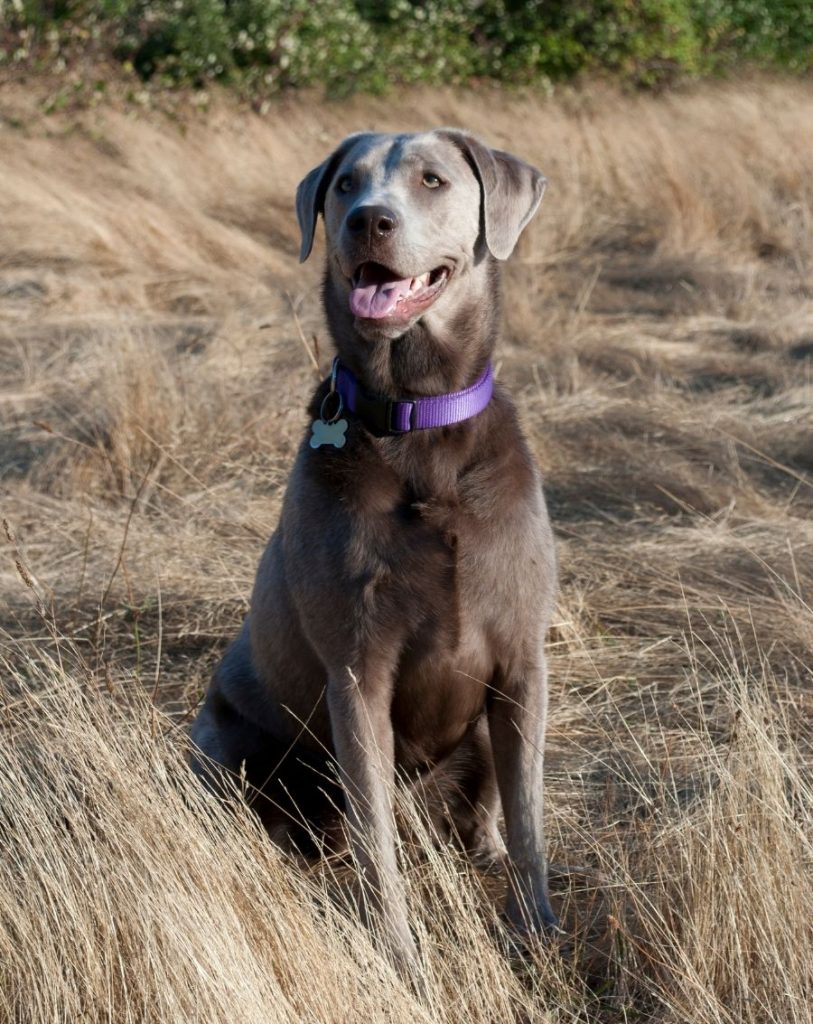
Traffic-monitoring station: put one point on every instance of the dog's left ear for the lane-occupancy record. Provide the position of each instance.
(510, 191)
(310, 193)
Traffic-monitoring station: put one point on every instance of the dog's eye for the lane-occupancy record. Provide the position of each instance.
(345, 183)
(431, 180)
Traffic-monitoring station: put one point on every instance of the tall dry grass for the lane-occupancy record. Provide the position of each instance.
(156, 348)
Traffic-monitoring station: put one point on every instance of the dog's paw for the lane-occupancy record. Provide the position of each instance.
(489, 856)
(522, 945)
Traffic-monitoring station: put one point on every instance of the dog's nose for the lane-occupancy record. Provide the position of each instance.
(372, 221)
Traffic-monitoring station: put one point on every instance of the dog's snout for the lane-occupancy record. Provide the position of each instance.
(375, 221)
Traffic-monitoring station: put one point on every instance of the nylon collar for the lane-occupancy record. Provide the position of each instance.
(387, 416)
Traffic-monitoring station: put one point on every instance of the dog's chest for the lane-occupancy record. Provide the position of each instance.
(454, 592)
(452, 574)
(446, 658)
(450, 664)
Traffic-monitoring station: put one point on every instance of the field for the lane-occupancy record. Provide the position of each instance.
(157, 343)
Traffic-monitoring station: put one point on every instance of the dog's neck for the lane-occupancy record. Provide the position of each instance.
(437, 355)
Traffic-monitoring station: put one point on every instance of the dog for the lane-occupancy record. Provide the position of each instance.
(398, 617)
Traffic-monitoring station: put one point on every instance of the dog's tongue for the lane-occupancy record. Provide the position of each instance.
(377, 292)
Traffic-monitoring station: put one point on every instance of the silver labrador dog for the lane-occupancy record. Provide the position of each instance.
(399, 612)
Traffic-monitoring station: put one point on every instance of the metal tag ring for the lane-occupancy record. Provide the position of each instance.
(339, 407)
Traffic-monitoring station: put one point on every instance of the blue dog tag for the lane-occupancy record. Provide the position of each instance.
(323, 433)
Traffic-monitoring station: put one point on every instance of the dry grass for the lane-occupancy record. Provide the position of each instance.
(659, 342)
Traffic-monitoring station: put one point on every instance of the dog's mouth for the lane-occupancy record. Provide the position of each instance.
(378, 293)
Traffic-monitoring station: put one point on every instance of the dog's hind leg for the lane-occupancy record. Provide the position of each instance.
(288, 786)
(218, 731)
(462, 800)
(478, 812)
(291, 789)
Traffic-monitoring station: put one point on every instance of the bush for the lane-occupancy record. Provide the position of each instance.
(768, 32)
(363, 44)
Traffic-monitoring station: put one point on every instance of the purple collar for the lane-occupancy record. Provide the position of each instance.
(384, 416)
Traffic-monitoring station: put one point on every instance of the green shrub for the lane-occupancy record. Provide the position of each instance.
(188, 40)
(363, 44)
(302, 42)
(776, 33)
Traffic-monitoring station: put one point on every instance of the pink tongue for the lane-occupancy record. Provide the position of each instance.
(376, 299)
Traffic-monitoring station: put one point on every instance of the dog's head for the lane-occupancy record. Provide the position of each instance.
(410, 218)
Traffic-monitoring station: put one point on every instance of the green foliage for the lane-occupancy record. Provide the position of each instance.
(768, 32)
(302, 42)
(364, 44)
(187, 40)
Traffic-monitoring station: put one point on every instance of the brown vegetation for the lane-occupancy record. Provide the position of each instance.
(155, 355)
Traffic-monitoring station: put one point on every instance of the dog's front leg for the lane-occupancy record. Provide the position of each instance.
(516, 722)
(359, 705)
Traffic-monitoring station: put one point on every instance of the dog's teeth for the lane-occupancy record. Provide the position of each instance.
(417, 283)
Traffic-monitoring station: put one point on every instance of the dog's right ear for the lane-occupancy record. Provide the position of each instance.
(310, 193)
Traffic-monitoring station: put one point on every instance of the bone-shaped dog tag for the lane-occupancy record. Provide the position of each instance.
(328, 433)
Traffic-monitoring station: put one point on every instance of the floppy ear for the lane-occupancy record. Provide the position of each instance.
(310, 193)
(510, 191)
